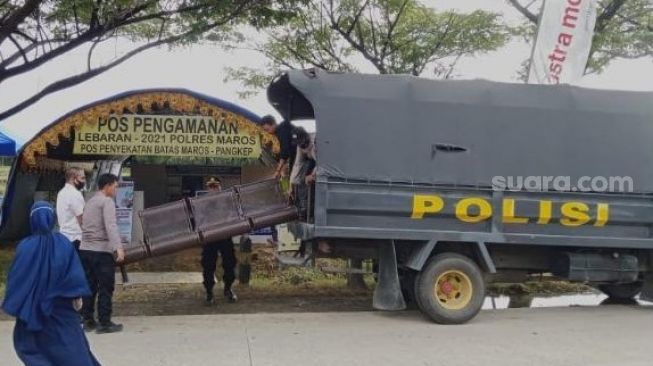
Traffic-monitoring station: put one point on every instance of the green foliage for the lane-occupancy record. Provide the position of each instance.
(627, 34)
(33, 32)
(393, 36)
(145, 19)
(253, 79)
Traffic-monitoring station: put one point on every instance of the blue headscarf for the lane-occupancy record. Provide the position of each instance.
(46, 268)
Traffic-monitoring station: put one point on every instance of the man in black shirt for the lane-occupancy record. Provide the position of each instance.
(284, 132)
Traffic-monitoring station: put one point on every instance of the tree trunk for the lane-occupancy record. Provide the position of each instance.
(356, 281)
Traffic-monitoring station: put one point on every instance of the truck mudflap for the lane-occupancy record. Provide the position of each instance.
(387, 294)
(196, 221)
(647, 290)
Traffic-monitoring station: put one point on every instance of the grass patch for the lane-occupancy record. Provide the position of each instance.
(269, 277)
(537, 288)
(265, 269)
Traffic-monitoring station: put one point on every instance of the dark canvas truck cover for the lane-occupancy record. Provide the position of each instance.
(393, 128)
(384, 140)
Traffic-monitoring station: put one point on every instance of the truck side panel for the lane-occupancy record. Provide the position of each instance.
(411, 212)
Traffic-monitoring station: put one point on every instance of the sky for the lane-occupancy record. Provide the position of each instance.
(201, 68)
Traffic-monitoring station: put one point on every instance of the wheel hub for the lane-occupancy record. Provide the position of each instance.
(447, 288)
(453, 290)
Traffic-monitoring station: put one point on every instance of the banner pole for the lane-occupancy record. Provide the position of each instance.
(537, 33)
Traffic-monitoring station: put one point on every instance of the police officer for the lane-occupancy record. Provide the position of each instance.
(285, 133)
(210, 257)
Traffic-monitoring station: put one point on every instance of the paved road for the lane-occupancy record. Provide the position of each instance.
(603, 335)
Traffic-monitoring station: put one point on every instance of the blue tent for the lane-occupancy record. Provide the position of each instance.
(7, 145)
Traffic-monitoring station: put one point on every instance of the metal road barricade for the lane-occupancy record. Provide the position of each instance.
(265, 204)
(187, 223)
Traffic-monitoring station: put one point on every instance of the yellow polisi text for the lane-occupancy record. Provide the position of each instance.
(477, 209)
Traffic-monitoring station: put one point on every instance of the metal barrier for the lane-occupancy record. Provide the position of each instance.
(187, 223)
(166, 229)
(265, 204)
(218, 216)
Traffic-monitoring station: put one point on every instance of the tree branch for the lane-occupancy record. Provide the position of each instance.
(359, 47)
(76, 16)
(321, 45)
(162, 28)
(118, 21)
(357, 17)
(41, 34)
(10, 24)
(634, 22)
(83, 38)
(608, 13)
(438, 45)
(166, 13)
(361, 37)
(94, 15)
(267, 54)
(330, 49)
(392, 27)
(314, 61)
(452, 66)
(375, 48)
(22, 34)
(522, 9)
(16, 55)
(20, 49)
(273, 57)
(80, 78)
(90, 53)
(327, 46)
(62, 84)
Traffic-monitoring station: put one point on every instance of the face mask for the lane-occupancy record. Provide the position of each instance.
(80, 185)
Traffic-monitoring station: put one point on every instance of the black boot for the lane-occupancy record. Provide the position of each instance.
(109, 327)
(89, 325)
(230, 295)
(210, 300)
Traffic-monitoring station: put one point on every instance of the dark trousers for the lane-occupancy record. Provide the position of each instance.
(304, 198)
(100, 274)
(209, 263)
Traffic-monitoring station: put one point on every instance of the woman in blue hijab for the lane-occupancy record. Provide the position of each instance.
(45, 284)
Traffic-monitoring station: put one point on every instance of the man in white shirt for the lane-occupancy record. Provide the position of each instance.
(70, 205)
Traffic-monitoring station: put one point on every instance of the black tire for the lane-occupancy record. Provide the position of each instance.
(436, 308)
(622, 291)
(612, 301)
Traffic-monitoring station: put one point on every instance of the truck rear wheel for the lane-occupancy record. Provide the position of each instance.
(450, 289)
(622, 291)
